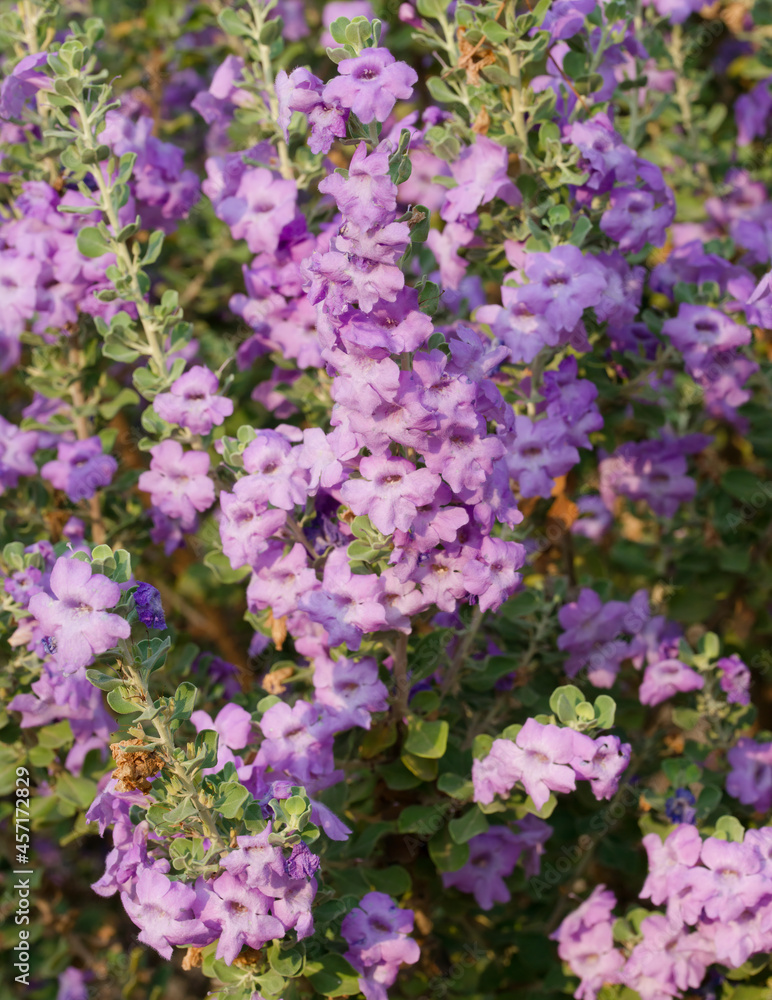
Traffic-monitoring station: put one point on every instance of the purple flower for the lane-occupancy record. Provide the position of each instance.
(281, 581)
(679, 808)
(562, 284)
(302, 91)
(238, 912)
(350, 690)
(389, 492)
(178, 481)
(19, 277)
(751, 110)
(348, 604)
(301, 863)
(492, 574)
(76, 617)
(163, 910)
(492, 857)
(572, 400)
(537, 452)
(233, 725)
(298, 742)
(605, 156)
(681, 850)
(735, 679)
(73, 984)
(80, 468)
(601, 762)
(259, 209)
(147, 601)
(258, 864)
(218, 102)
(589, 625)
(22, 83)
(697, 329)
(481, 175)
(246, 527)
(368, 196)
(668, 959)
(192, 402)
(17, 448)
(730, 878)
(377, 934)
(539, 758)
(634, 218)
(565, 18)
(274, 475)
(586, 942)
(370, 84)
(654, 471)
(666, 678)
(750, 776)
(463, 455)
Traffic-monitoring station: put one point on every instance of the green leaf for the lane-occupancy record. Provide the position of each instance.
(230, 798)
(153, 653)
(205, 748)
(286, 962)
(427, 739)
(422, 768)
(605, 711)
(582, 228)
(394, 880)
(686, 718)
(184, 700)
(432, 8)
(115, 349)
(397, 776)
(103, 681)
(338, 29)
(332, 976)
(571, 696)
(220, 565)
(232, 24)
(154, 247)
(472, 823)
(118, 702)
(126, 397)
(126, 166)
(91, 243)
(743, 485)
(481, 746)
(495, 31)
(499, 76)
(707, 800)
(456, 786)
(729, 828)
(426, 820)
(56, 736)
(78, 790)
(440, 91)
(447, 855)
(710, 645)
(357, 32)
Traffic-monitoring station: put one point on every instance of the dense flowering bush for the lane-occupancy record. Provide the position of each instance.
(385, 528)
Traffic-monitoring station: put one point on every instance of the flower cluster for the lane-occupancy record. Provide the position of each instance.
(718, 895)
(547, 758)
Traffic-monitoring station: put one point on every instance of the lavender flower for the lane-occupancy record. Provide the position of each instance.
(192, 402)
(75, 617)
(80, 468)
(370, 84)
(178, 481)
(147, 601)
